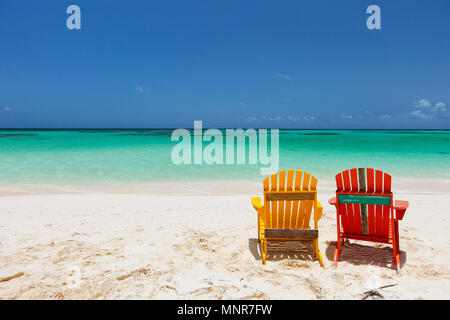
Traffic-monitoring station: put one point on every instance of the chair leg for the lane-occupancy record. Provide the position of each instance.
(263, 250)
(397, 236)
(337, 252)
(396, 258)
(396, 247)
(316, 249)
(259, 230)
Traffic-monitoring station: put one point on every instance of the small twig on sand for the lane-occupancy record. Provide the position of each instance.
(374, 292)
(12, 277)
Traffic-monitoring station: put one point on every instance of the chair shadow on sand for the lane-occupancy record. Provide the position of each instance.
(281, 250)
(359, 254)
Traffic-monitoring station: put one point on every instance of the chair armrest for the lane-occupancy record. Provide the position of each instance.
(317, 214)
(256, 202)
(332, 201)
(400, 207)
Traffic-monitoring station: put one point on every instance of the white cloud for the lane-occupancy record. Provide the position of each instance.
(281, 118)
(283, 76)
(422, 103)
(251, 119)
(139, 89)
(7, 108)
(277, 118)
(288, 100)
(346, 116)
(425, 110)
(440, 106)
(297, 118)
(243, 104)
(425, 104)
(385, 117)
(420, 115)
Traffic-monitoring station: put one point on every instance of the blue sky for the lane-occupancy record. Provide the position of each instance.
(277, 64)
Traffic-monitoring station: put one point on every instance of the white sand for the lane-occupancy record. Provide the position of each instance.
(197, 241)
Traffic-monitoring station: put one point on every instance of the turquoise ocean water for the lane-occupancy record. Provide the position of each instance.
(134, 156)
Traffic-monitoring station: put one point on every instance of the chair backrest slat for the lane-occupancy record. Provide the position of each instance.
(274, 182)
(287, 213)
(306, 177)
(370, 180)
(387, 183)
(339, 184)
(362, 179)
(313, 184)
(281, 202)
(346, 178)
(298, 179)
(378, 181)
(290, 180)
(354, 179)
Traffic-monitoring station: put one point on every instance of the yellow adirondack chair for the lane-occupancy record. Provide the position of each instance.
(287, 208)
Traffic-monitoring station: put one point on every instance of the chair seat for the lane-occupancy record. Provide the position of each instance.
(305, 234)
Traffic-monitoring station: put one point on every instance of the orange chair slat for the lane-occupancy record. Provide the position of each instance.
(274, 182)
(305, 185)
(290, 180)
(274, 216)
(288, 206)
(282, 180)
(307, 215)
(294, 214)
(301, 215)
(266, 184)
(281, 203)
(298, 180)
(313, 185)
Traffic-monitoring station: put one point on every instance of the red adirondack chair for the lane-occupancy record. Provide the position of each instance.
(365, 209)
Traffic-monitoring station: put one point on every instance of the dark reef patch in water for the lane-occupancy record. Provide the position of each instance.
(414, 132)
(443, 152)
(99, 131)
(321, 134)
(11, 135)
(168, 134)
